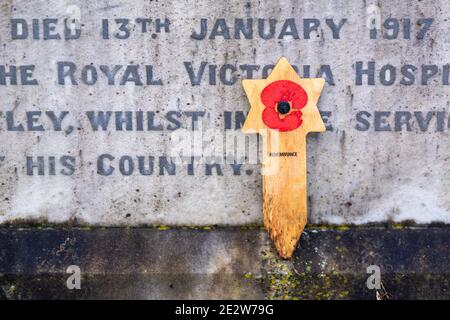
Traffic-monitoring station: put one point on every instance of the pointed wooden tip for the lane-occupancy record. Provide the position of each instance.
(319, 84)
(286, 240)
(283, 60)
(247, 129)
(285, 228)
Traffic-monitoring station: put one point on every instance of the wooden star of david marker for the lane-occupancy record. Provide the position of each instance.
(283, 111)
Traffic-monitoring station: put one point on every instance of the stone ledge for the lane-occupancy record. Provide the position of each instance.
(222, 263)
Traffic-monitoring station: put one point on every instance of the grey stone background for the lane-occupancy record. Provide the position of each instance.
(354, 176)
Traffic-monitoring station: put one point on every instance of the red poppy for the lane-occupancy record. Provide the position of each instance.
(283, 100)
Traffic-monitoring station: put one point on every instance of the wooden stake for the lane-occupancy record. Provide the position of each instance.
(284, 131)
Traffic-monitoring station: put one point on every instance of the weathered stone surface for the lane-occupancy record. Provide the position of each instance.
(385, 156)
(223, 263)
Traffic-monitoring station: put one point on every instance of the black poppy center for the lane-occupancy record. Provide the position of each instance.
(283, 107)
